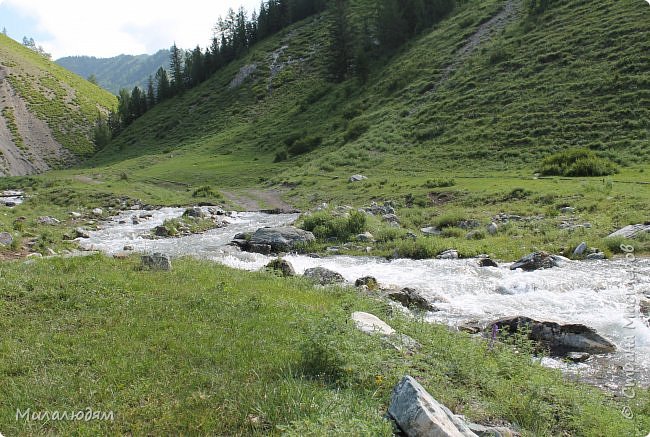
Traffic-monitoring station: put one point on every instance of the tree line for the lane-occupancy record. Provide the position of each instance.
(350, 49)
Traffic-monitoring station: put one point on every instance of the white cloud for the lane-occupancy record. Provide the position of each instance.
(109, 28)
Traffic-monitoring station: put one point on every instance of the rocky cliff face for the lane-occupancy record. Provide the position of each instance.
(27, 144)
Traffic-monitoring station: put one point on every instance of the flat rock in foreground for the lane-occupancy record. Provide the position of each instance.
(418, 414)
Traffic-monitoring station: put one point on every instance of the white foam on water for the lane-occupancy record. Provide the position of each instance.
(594, 293)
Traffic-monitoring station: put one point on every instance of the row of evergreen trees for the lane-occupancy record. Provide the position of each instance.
(233, 36)
(350, 49)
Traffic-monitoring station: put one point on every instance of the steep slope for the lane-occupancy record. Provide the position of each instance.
(123, 71)
(463, 97)
(47, 112)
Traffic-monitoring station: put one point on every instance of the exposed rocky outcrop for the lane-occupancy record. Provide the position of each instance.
(631, 231)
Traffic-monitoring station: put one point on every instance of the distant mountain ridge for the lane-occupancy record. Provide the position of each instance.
(123, 71)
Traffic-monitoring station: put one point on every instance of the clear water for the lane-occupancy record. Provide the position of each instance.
(593, 293)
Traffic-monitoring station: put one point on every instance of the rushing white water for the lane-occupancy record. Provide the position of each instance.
(601, 294)
(11, 197)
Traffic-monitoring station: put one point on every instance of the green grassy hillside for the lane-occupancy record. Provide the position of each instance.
(67, 104)
(466, 112)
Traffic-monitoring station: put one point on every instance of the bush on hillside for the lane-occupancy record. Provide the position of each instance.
(300, 143)
(324, 225)
(577, 162)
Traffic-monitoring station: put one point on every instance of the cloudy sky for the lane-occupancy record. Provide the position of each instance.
(109, 28)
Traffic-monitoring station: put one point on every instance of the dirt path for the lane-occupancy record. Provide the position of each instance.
(257, 200)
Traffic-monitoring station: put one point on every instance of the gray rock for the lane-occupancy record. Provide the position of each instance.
(475, 235)
(281, 239)
(6, 239)
(418, 414)
(357, 178)
(448, 254)
(368, 281)
(375, 209)
(161, 231)
(431, 230)
(535, 261)
(468, 224)
(195, 212)
(595, 256)
(411, 298)
(580, 249)
(631, 231)
(371, 324)
(283, 266)
(156, 261)
(644, 307)
(323, 276)
(98, 212)
(491, 431)
(560, 339)
(492, 228)
(411, 236)
(578, 357)
(47, 220)
(366, 237)
(264, 249)
(243, 236)
(390, 218)
(82, 233)
(127, 248)
(487, 262)
(567, 210)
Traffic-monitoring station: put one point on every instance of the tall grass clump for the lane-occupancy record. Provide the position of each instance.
(577, 162)
(324, 225)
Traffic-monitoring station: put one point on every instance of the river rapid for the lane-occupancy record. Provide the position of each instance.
(603, 295)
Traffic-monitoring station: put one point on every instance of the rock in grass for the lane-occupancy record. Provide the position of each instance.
(559, 339)
(368, 281)
(98, 212)
(371, 324)
(535, 261)
(324, 276)
(357, 178)
(6, 239)
(448, 254)
(578, 357)
(431, 230)
(417, 413)
(366, 237)
(631, 231)
(47, 220)
(580, 249)
(283, 266)
(492, 228)
(595, 256)
(194, 212)
(156, 261)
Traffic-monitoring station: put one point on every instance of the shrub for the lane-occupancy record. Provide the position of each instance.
(577, 162)
(205, 191)
(281, 155)
(303, 144)
(324, 225)
(355, 130)
(439, 182)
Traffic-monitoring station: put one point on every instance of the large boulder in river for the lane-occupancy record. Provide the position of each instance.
(536, 261)
(417, 413)
(560, 339)
(411, 298)
(281, 239)
(323, 276)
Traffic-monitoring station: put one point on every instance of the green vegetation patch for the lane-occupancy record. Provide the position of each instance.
(577, 162)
